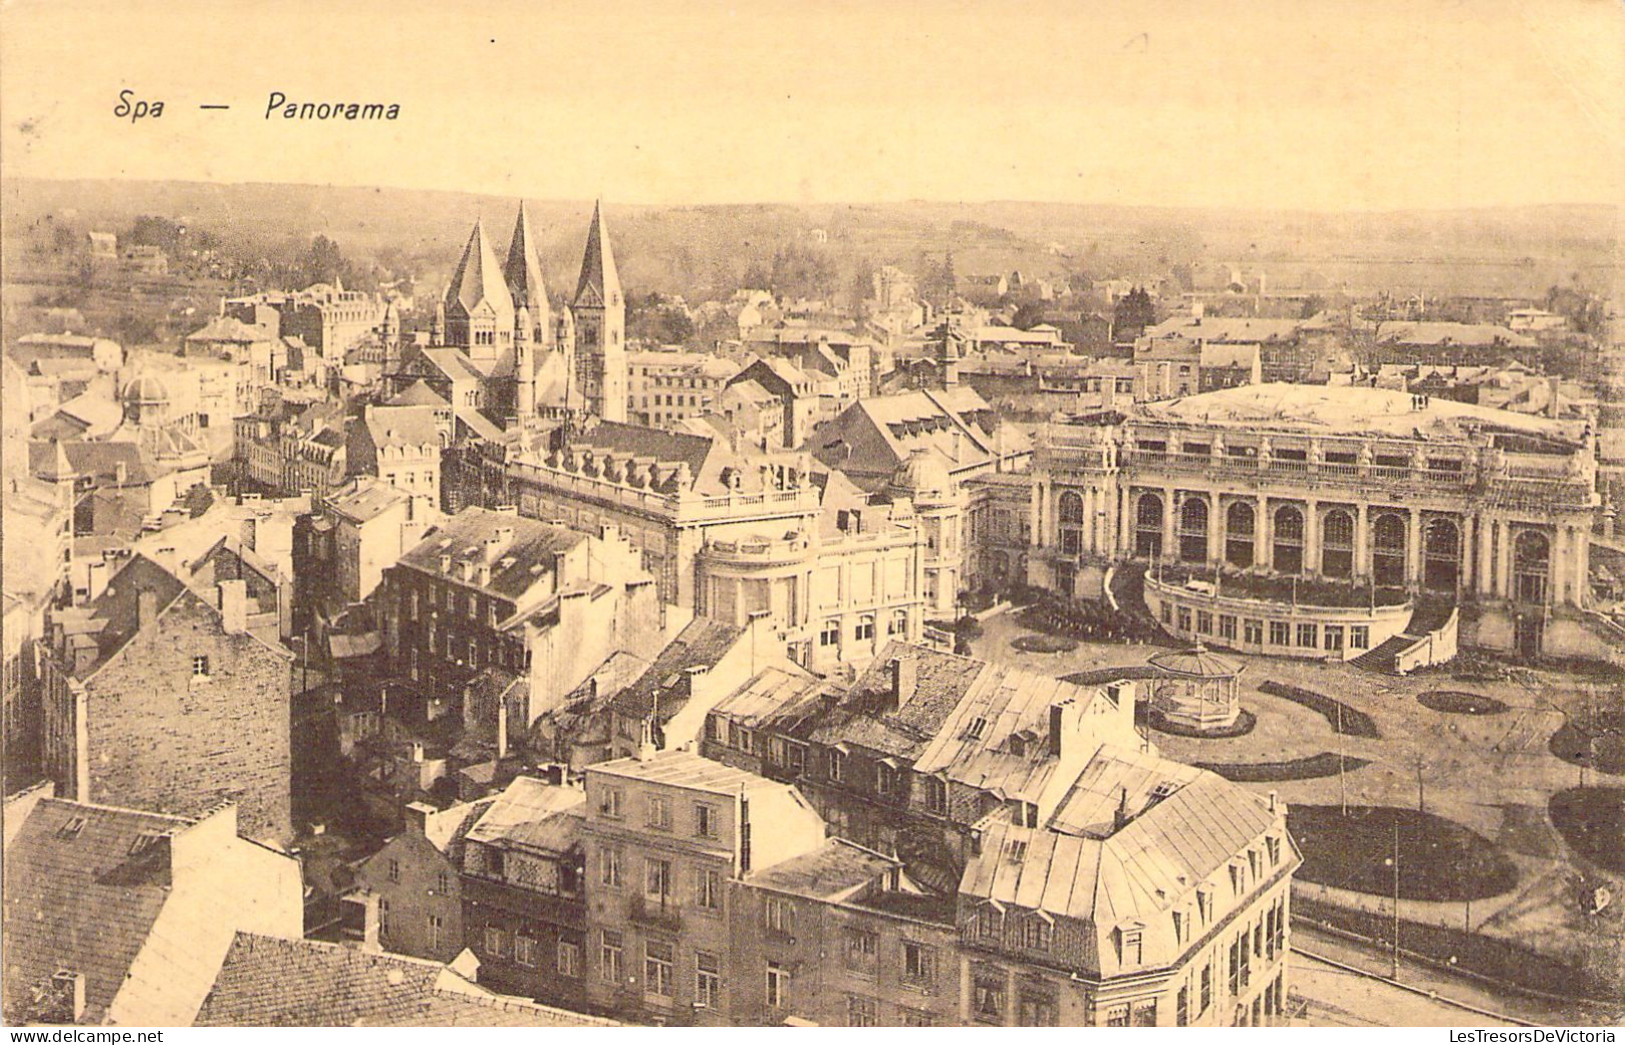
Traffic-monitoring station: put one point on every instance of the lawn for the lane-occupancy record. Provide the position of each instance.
(1459, 702)
(1592, 821)
(1594, 739)
(1439, 859)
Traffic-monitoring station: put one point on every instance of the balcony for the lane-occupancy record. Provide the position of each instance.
(1335, 472)
(657, 913)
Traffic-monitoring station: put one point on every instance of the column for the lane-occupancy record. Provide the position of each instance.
(1311, 537)
(1503, 562)
(1483, 567)
(1559, 579)
(1580, 557)
(1169, 533)
(1215, 530)
(1035, 516)
(1264, 535)
(1362, 541)
(1413, 550)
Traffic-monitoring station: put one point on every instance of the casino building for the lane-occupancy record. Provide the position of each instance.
(1326, 522)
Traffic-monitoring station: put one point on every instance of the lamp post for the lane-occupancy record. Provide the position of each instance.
(1394, 863)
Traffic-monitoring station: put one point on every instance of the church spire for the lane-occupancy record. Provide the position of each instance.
(523, 273)
(479, 309)
(599, 285)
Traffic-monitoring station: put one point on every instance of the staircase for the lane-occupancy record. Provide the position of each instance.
(1384, 659)
(1431, 614)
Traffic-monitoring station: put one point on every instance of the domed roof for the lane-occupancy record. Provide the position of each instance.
(145, 388)
(925, 471)
(1196, 662)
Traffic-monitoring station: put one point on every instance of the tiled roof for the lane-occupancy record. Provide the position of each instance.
(533, 813)
(527, 559)
(81, 899)
(453, 363)
(772, 692)
(663, 690)
(862, 715)
(416, 394)
(269, 982)
(831, 872)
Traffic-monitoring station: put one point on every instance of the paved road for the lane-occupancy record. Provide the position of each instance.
(1338, 998)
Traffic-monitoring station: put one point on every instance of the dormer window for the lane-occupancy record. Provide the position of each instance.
(975, 730)
(71, 828)
(200, 667)
(1131, 947)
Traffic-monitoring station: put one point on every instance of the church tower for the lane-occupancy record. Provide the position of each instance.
(524, 367)
(479, 308)
(523, 274)
(600, 321)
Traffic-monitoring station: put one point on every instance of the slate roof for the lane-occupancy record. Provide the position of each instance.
(367, 501)
(1184, 825)
(408, 426)
(529, 557)
(478, 280)
(523, 271)
(416, 394)
(535, 814)
(831, 872)
(685, 768)
(270, 982)
(117, 608)
(862, 717)
(663, 690)
(453, 363)
(81, 901)
(643, 441)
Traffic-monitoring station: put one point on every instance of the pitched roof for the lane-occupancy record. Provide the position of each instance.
(686, 768)
(864, 716)
(523, 562)
(81, 897)
(664, 690)
(769, 694)
(833, 871)
(533, 813)
(270, 982)
(600, 283)
(416, 394)
(405, 426)
(367, 500)
(117, 608)
(664, 446)
(478, 280)
(227, 328)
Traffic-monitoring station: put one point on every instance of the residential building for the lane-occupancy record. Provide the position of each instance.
(871, 439)
(665, 387)
(360, 531)
(410, 892)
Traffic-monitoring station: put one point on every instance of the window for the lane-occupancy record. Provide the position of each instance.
(1227, 627)
(919, 964)
(436, 930)
(657, 813)
(1207, 987)
(837, 763)
(1252, 632)
(1273, 844)
(1359, 636)
(861, 948)
(1117, 1016)
(1184, 618)
(795, 758)
(866, 628)
(917, 1018)
(657, 964)
(442, 883)
(936, 794)
(713, 729)
(708, 889)
(657, 879)
(496, 942)
(569, 958)
(988, 997)
(1167, 613)
(861, 1011)
(830, 634)
(987, 921)
(1204, 905)
(778, 985)
(1236, 879)
(609, 957)
(778, 915)
(1204, 622)
(707, 980)
(1131, 947)
(200, 667)
(1035, 934)
(1308, 634)
(394, 870)
(609, 803)
(609, 867)
(1037, 1010)
(1145, 1013)
(898, 625)
(383, 916)
(1334, 637)
(1280, 633)
(1182, 1005)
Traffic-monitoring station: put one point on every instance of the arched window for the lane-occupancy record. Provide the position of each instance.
(1531, 566)
(1337, 544)
(1441, 555)
(1193, 519)
(1388, 550)
(1148, 526)
(1239, 524)
(1071, 508)
(1288, 546)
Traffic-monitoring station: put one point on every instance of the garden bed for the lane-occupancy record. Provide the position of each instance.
(1044, 644)
(1593, 739)
(1439, 859)
(1310, 767)
(1243, 725)
(1342, 718)
(1460, 702)
(1592, 821)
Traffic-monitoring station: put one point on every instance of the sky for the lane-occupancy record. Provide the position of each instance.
(1277, 104)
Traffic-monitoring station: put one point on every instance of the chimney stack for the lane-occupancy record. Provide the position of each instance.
(904, 680)
(67, 997)
(502, 728)
(417, 816)
(1121, 818)
(234, 606)
(146, 607)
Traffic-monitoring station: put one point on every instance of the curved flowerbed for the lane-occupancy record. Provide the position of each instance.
(1310, 767)
(1044, 644)
(1439, 859)
(1460, 702)
(1244, 723)
(1595, 740)
(1592, 821)
(1342, 718)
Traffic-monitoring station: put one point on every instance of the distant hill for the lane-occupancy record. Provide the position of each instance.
(704, 251)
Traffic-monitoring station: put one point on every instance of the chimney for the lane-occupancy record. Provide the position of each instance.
(502, 728)
(121, 473)
(1121, 817)
(234, 606)
(146, 607)
(1274, 801)
(646, 741)
(417, 751)
(1552, 404)
(67, 1003)
(417, 816)
(904, 679)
